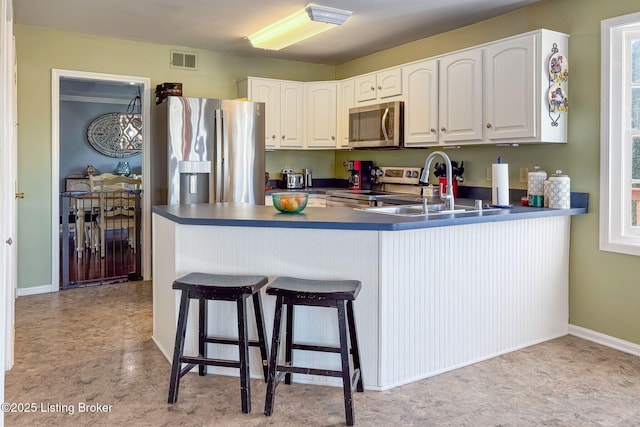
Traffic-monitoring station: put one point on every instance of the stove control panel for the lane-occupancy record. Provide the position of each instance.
(398, 175)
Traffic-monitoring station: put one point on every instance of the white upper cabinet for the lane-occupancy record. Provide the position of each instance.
(378, 86)
(284, 110)
(268, 91)
(496, 93)
(322, 106)
(291, 115)
(460, 97)
(509, 86)
(346, 100)
(420, 86)
(517, 84)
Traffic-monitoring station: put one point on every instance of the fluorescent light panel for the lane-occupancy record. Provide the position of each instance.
(305, 23)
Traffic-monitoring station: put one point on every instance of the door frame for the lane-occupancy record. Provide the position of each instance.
(56, 75)
(8, 189)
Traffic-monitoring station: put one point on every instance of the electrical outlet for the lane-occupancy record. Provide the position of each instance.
(489, 174)
(524, 174)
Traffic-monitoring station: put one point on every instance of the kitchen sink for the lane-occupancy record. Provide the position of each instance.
(418, 210)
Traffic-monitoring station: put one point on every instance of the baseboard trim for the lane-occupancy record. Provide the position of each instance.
(34, 290)
(606, 340)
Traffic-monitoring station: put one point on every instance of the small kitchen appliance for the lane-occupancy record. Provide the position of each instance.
(388, 186)
(308, 177)
(377, 126)
(359, 174)
(291, 179)
(295, 180)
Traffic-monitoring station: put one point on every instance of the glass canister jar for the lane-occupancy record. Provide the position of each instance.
(559, 191)
(535, 187)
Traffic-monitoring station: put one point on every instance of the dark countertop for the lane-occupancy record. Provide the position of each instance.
(242, 215)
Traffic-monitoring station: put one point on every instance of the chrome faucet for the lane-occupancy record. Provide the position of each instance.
(447, 195)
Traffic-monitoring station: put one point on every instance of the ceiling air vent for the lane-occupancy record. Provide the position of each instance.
(184, 60)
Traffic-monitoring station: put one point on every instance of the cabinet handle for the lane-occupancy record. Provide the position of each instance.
(488, 125)
(433, 130)
(273, 136)
(282, 136)
(372, 88)
(333, 138)
(379, 87)
(443, 129)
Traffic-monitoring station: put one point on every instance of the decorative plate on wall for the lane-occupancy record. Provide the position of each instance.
(116, 134)
(558, 102)
(559, 67)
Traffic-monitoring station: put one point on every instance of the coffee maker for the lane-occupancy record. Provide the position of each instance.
(359, 174)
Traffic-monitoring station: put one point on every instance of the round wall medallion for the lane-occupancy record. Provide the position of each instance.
(105, 135)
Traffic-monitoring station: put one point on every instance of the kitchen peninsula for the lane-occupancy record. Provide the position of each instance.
(437, 293)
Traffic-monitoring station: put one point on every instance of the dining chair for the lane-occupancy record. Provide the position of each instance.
(117, 205)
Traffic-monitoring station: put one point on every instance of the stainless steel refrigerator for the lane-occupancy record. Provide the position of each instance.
(206, 151)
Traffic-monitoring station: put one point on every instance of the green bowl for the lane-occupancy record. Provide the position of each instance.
(290, 201)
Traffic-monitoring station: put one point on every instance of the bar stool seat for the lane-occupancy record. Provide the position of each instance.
(203, 287)
(339, 294)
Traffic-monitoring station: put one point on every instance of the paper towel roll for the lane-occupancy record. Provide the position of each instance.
(500, 184)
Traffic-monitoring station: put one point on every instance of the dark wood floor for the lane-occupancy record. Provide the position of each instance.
(90, 269)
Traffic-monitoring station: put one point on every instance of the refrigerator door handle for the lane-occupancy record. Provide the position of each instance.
(219, 172)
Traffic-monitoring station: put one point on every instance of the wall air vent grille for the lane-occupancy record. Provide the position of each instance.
(184, 60)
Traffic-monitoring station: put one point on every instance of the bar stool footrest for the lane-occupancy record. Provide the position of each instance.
(311, 347)
(309, 371)
(229, 341)
(210, 362)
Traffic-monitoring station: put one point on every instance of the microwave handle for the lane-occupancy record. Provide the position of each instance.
(383, 124)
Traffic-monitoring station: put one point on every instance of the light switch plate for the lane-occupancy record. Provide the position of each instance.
(524, 174)
(489, 174)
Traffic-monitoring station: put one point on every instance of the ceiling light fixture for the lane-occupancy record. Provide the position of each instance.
(307, 22)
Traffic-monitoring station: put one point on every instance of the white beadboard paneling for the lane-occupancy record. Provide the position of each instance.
(308, 253)
(432, 299)
(164, 273)
(452, 296)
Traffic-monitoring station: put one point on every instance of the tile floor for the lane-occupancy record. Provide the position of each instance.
(93, 346)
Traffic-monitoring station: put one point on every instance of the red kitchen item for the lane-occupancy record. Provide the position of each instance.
(443, 185)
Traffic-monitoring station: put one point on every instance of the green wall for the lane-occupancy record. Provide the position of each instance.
(604, 289)
(40, 50)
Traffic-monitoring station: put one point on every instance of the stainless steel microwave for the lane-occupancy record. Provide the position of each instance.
(377, 126)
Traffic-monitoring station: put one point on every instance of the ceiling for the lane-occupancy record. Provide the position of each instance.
(223, 25)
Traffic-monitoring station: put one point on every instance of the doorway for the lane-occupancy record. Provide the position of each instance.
(100, 89)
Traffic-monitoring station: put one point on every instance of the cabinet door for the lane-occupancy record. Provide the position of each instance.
(460, 91)
(268, 91)
(322, 104)
(509, 88)
(421, 103)
(346, 101)
(389, 83)
(365, 88)
(291, 115)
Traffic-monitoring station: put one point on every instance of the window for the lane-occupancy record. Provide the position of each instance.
(620, 135)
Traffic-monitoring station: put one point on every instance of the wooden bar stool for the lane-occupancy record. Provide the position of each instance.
(291, 292)
(203, 287)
